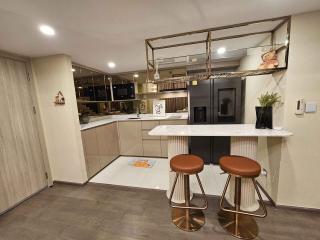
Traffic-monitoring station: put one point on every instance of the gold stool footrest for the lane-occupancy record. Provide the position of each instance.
(245, 228)
(189, 220)
(188, 217)
(239, 223)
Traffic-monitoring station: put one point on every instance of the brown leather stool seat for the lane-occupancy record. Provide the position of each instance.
(240, 166)
(186, 163)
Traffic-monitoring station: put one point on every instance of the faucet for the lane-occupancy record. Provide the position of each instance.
(138, 111)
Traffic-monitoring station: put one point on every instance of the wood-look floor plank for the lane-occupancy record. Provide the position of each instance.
(99, 212)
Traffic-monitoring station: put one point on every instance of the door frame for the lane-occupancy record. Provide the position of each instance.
(35, 101)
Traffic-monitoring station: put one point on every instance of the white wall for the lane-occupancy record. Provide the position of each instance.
(60, 122)
(293, 165)
(300, 161)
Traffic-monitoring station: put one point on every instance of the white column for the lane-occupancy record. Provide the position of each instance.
(177, 145)
(246, 147)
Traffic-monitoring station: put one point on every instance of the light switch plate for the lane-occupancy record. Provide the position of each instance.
(311, 107)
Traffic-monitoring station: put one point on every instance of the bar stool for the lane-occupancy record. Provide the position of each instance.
(240, 223)
(186, 216)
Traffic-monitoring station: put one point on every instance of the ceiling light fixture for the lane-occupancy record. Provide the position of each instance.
(47, 30)
(136, 75)
(111, 65)
(221, 50)
(73, 70)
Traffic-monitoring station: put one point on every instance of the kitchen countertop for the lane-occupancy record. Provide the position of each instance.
(99, 121)
(241, 130)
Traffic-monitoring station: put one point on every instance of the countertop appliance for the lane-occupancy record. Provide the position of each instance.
(123, 91)
(214, 101)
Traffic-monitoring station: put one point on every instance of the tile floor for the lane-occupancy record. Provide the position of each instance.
(120, 172)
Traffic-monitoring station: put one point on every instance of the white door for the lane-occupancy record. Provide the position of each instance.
(22, 171)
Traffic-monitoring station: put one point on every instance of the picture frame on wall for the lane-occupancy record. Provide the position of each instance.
(159, 108)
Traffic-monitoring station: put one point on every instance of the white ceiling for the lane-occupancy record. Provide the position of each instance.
(97, 31)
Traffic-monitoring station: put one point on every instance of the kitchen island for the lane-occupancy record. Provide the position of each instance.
(244, 142)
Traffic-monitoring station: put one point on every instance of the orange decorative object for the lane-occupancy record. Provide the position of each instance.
(142, 163)
(270, 60)
(59, 99)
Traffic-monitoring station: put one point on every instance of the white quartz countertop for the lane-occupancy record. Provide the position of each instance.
(99, 121)
(241, 130)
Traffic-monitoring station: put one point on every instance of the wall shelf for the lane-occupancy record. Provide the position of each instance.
(125, 100)
(206, 76)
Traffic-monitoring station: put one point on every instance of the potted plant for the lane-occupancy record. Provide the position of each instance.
(264, 112)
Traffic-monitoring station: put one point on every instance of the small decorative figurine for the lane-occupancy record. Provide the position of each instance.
(59, 99)
(270, 60)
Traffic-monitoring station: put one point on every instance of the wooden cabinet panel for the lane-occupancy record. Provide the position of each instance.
(145, 135)
(89, 137)
(101, 146)
(130, 138)
(174, 122)
(90, 145)
(149, 124)
(93, 165)
(108, 143)
(151, 148)
(164, 148)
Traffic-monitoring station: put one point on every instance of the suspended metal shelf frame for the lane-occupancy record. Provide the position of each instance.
(152, 46)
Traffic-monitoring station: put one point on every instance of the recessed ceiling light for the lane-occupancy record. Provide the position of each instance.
(111, 64)
(136, 75)
(73, 70)
(221, 50)
(47, 30)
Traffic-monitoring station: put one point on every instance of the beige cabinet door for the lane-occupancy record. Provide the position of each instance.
(149, 124)
(108, 143)
(164, 148)
(130, 138)
(22, 171)
(151, 148)
(90, 145)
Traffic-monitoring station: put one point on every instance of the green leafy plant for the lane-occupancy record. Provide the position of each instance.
(269, 99)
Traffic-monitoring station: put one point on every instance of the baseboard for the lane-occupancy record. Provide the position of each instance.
(22, 201)
(69, 183)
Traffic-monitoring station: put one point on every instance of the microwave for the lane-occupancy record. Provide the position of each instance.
(123, 91)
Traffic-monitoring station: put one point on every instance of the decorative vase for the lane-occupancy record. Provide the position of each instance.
(264, 117)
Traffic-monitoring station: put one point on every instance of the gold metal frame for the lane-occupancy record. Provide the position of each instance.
(150, 60)
(188, 217)
(235, 221)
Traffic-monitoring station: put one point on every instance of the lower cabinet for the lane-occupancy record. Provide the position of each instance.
(164, 148)
(130, 138)
(108, 143)
(93, 165)
(101, 146)
(151, 148)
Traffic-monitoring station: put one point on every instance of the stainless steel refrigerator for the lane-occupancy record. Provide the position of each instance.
(215, 101)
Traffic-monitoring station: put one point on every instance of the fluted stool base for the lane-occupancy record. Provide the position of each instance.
(247, 227)
(188, 222)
